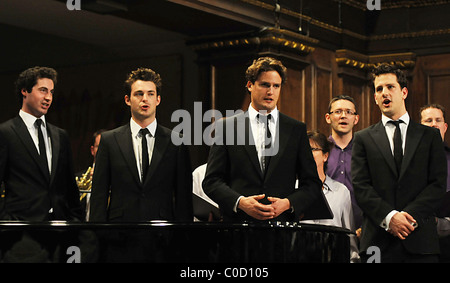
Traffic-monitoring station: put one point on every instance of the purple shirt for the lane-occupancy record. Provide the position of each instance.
(339, 164)
(339, 169)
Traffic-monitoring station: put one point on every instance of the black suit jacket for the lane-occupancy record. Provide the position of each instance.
(29, 193)
(418, 189)
(166, 193)
(234, 170)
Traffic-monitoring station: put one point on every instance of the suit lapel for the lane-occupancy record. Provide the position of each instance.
(249, 142)
(162, 139)
(56, 146)
(413, 136)
(283, 132)
(382, 142)
(22, 132)
(125, 143)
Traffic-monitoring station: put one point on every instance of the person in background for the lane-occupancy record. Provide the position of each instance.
(343, 116)
(84, 178)
(433, 115)
(336, 193)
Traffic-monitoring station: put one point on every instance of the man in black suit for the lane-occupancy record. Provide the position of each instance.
(254, 177)
(36, 169)
(141, 176)
(399, 177)
(38, 176)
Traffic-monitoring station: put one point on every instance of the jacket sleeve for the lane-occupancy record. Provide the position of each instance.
(309, 183)
(72, 193)
(183, 197)
(429, 199)
(100, 183)
(215, 183)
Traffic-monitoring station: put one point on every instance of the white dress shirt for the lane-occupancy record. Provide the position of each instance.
(390, 130)
(339, 200)
(259, 131)
(29, 121)
(137, 144)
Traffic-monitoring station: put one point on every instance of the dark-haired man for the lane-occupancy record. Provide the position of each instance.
(255, 179)
(36, 169)
(140, 175)
(35, 156)
(399, 177)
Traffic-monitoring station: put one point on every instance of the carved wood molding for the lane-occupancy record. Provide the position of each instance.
(394, 4)
(266, 37)
(355, 60)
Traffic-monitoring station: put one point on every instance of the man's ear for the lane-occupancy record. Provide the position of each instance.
(328, 118)
(127, 100)
(24, 93)
(249, 86)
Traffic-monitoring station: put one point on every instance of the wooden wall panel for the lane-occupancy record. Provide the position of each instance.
(323, 94)
(431, 84)
(439, 92)
(292, 98)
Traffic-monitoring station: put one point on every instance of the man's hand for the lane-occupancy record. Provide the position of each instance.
(255, 209)
(400, 225)
(280, 205)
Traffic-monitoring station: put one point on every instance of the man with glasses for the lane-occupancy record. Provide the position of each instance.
(342, 115)
(433, 115)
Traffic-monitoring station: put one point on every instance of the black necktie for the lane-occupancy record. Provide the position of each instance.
(267, 140)
(398, 150)
(144, 150)
(42, 151)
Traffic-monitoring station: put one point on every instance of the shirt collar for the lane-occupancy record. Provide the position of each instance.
(405, 118)
(252, 113)
(135, 128)
(326, 184)
(29, 119)
(348, 147)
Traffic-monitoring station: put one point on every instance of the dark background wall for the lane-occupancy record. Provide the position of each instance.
(202, 48)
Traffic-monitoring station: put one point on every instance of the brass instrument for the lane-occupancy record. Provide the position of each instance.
(85, 183)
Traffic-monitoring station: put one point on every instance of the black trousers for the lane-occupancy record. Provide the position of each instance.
(396, 253)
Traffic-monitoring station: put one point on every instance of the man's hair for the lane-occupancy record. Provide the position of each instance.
(433, 105)
(342, 97)
(143, 74)
(385, 68)
(28, 79)
(322, 141)
(96, 134)
(265, 64)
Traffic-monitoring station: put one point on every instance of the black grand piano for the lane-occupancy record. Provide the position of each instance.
(171, 242)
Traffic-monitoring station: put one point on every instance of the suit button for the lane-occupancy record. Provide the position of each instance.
(143, 195)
